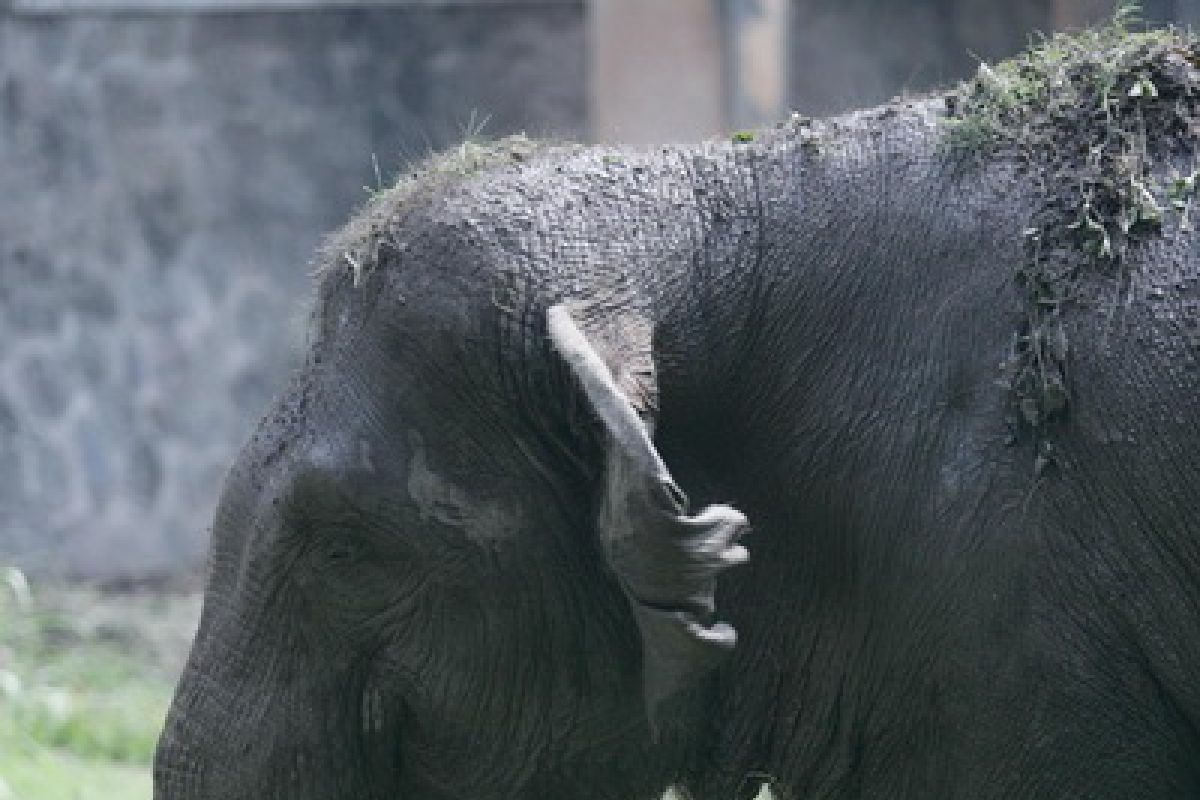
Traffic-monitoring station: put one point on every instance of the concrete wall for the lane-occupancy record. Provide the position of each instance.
(681, 70)
(657, 70)
(850, 53)
(669, 70)
(163, 181)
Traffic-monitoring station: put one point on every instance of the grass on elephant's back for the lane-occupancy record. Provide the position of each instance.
(85, 679)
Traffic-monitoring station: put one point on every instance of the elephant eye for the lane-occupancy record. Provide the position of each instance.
(339, 549)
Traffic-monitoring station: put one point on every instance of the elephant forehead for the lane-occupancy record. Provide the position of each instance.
(440, 498)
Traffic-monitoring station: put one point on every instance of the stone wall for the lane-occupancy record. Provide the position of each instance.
(164, 179)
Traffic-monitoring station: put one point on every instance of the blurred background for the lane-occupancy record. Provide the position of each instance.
(167, 168)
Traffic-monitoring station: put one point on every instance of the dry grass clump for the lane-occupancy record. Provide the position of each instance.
(358, 245)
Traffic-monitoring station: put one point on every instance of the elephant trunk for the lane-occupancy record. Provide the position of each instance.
(201, 720)
(246, 724)
(213, 743)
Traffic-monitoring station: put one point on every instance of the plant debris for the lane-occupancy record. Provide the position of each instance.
(1102, 119)
(357, 247)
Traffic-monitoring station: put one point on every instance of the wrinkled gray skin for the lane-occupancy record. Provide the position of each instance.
(426, 581)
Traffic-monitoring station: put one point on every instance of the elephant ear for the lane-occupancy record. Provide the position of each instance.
(665, 560)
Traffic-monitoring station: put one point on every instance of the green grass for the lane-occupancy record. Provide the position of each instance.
(85, 679)
(1061, 77)
(32, 772)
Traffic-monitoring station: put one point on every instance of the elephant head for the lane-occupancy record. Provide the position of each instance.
(451, 562)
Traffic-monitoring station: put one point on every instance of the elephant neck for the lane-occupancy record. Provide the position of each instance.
(797, 254)
(870, 307)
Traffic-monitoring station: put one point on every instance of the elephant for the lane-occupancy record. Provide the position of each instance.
(855, 456)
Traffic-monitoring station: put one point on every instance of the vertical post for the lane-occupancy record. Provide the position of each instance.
(656, 70)
(757, 83)
(1070, 14)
